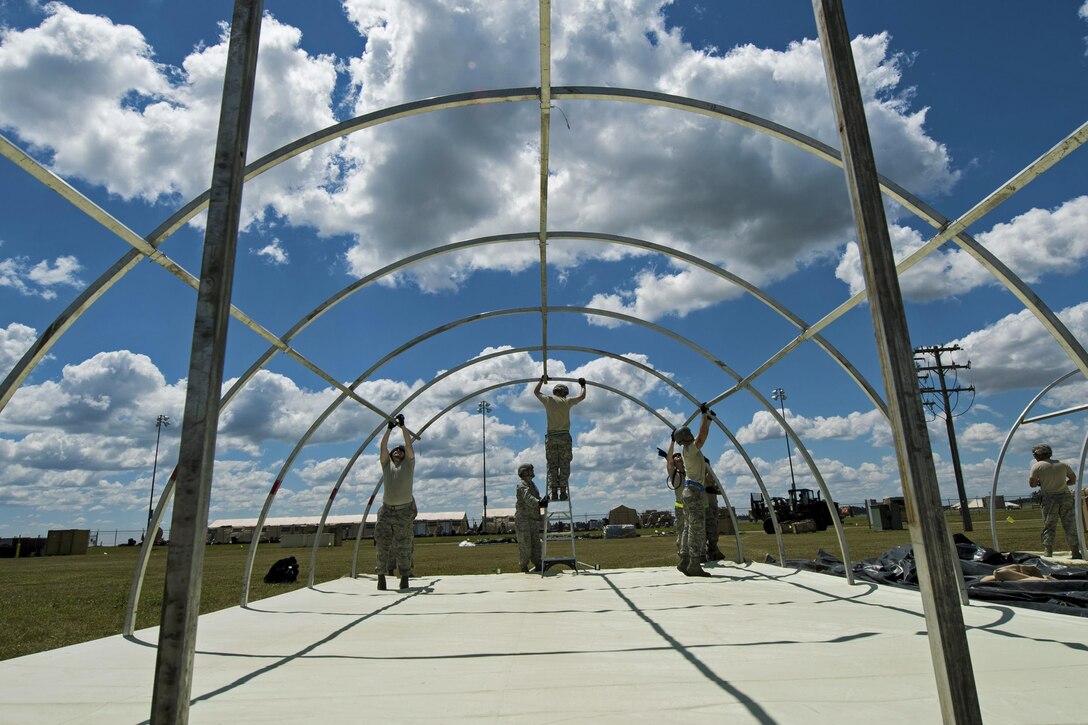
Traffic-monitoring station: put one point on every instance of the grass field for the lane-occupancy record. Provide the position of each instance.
(51, 602)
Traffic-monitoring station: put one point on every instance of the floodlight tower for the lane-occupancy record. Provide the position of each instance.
(162, 420)
(484, 407)
(780, 395)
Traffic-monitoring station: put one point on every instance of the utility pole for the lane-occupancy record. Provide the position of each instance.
(940, 369)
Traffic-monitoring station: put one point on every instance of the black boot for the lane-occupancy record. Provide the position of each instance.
(696, 570)
(404, 581)
(683, 565)
(381, 582)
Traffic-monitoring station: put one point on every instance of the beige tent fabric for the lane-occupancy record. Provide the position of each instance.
(1015, 572)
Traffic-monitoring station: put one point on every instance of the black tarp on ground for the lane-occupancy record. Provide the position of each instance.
(1066, 593)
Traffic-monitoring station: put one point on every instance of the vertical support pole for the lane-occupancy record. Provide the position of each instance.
(185, 558)
(938, 566)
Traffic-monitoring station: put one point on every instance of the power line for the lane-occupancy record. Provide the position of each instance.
(927, 375)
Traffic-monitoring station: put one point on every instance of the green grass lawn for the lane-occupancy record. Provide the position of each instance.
(51, 602)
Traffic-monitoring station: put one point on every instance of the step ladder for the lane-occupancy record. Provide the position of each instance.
(560, 512)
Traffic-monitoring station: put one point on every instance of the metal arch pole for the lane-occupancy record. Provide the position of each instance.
(458, 403)
(545, 140)
(254, 543)
(1057, 413)
(144, 248)
(759, 294)
(952, 230)
(1005, 447)
(513, 351)
(185, 557)
(247, 576)
(762, 489)
(732, 518)
(938, 567)
(1078, 507)
(801, 449)
(86, 299)
(810, 145)
(836, 522)
(138, 574)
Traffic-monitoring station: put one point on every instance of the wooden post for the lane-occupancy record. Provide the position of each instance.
(938, 565)
(185, 558)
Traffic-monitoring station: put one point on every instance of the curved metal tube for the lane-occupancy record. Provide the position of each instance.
(251, 557)
(803, 451)
(512, 351)
(129, 625)
(370, 502)
(461, 401)
(127, 261)
(1057, 329)
(473, 318)
(1078, 509)
(1005, 447)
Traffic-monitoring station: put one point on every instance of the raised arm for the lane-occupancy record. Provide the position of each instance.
(408, 452)
(383, 451)
(704, 426)
(581, 395)
(539, 384)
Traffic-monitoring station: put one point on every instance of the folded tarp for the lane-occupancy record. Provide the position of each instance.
(1063, 590)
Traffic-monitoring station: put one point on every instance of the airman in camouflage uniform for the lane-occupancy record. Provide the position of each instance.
(694, 498)
(528, 518)
(674, 468)
(557, 441)
(394, 532)
(713, 490)
(1052, 478)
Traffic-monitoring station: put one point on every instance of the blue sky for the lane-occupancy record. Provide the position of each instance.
(120, 99)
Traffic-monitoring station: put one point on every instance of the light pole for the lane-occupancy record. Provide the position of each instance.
(159, 423)
(484, 407)
(780, 395)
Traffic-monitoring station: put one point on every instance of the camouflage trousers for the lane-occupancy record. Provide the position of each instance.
(557, 451)
(693, 540)
(679, 509)
(394, 535)
(1059, 507)
(528, 532)
(712, 529)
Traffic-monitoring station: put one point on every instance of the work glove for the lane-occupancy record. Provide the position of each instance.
(392, 425)
(400, 418)
(662, 453)
(544, 502)
(704, 408)
(543, 378)
(582, 382)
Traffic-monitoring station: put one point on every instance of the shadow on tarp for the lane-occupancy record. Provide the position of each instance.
(1065, 593)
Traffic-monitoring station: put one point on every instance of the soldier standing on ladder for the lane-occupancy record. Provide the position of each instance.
(557, 441)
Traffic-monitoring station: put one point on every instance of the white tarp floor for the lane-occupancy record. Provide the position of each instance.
(753, 643)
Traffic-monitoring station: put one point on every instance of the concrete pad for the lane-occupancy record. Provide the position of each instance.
(751, 644)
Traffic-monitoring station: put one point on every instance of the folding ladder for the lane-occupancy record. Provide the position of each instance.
(561, 514)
